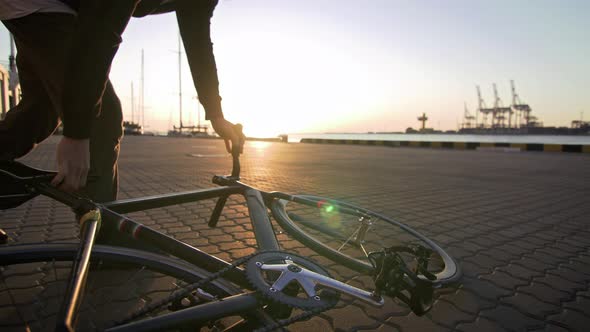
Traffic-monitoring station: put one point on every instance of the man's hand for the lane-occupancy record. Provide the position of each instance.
(73, 162)
(230, 133)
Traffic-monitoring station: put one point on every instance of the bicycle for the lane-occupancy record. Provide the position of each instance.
(188, 288)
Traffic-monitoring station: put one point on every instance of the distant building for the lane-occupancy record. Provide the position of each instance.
(4, 102)
(8, 98)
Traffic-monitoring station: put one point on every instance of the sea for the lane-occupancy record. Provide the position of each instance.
(526, 139)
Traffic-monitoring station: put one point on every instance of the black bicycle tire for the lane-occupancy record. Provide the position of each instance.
(31, 253)
(450, 274)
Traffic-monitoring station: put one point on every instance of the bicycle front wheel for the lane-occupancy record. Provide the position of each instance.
(33, 279)
(347, 234)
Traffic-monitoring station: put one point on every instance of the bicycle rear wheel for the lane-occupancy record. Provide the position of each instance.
(33, 279)
(346, 234)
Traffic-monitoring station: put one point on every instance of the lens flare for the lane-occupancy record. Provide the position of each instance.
(328, 214)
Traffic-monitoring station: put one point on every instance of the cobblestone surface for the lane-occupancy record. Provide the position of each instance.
(518, 223)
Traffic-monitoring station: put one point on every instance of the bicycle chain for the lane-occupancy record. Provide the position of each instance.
(187, 290)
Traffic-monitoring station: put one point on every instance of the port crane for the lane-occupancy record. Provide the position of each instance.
(483, 109)
(518, 115)
(499, 111)
(469, 121)
(523, 111)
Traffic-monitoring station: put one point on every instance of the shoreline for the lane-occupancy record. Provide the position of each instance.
(504, 147)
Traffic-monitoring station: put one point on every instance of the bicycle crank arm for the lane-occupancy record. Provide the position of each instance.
(309, 281)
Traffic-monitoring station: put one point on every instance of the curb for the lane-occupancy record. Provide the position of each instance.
(575, 148)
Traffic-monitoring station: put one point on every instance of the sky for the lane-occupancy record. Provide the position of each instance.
(356, 66)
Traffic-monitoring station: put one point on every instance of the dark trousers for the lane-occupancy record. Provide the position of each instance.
(43, 42)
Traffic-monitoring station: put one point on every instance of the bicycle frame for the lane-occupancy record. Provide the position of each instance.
(112, 213)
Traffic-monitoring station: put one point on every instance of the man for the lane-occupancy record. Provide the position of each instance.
(101, 24)
(52, 41)
(43, 31)
(65, 50)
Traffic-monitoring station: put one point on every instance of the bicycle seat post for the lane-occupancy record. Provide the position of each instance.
(89, 226)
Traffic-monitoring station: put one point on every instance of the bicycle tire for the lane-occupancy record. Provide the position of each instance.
(325, 228)
(30, 290)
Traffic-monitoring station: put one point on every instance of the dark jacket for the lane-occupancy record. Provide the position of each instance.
(100, 26)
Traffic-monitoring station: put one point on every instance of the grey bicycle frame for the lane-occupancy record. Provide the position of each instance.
(112, 212)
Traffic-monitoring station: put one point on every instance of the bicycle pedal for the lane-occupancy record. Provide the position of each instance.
(3, 237)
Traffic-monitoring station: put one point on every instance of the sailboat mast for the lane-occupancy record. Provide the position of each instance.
(12, 58)
(179, 81)
(142, 108)
(132, 103)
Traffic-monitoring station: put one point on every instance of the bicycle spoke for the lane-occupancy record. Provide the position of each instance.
(348, 239)
(125, 285)
(12, 300)
(364, 250)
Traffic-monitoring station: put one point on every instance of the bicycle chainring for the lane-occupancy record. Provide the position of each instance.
(281, 277)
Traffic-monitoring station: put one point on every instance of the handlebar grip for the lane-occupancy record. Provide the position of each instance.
(235, 152)
(237, 149)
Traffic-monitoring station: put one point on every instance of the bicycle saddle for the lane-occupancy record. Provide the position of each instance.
(15, 179)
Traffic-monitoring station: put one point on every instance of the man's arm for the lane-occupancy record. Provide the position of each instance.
(95, 43)
(194, 22)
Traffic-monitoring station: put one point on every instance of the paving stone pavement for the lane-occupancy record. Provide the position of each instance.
(518, 223)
